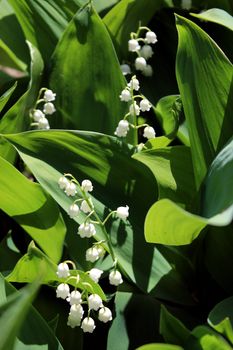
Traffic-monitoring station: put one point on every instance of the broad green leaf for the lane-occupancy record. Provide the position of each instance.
(217, 16)
(125, 16)
(168, 223)
(218, 191)
(108, 163)
(42, 22)
(221, 318)
(207, 339)
(6, 96)
(17, 118)
(159, 346)
(97, 87)
(33, 209)
(167, 111)
(173, 170)
(225, 5)
(13, 313)
(204, 74)
(28, 335)
(130, 327)
(172, 329)
(11, 33)
(9, 59)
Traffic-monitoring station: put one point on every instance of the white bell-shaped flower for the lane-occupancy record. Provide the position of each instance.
(122, 128)
(86, 230)
(87, 186)
(71, 189)
(49, 108)
(134, 109)
(37, 114)
(149, 132)
(140, 63)
(133, 45)
(147, 71)
(151, 37)
(134, 84)
(85, 206)
(125, 95)
(92, 254)
(122, 212)
(75, 298)
(145, 105)
(63, 182)
(88, 325)
(94, 302)
(95, 274)
(73, 210)
(49, 95)
(63, 291)
(125, 68)
(43, 124)
(63, 270)
(105, 314)
(146, 52)
(115, 278)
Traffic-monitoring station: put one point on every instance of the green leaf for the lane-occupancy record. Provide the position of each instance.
(98, 87)
(216, 15)
(13, 313)
(169, 165)
(130, 327)
(172, 329)
(221, 318)
(207, 339)
(42, 22)
(167, 111)
(125, 16)
(9, 59)
(204, 74)
(159, 346)
(28, 335)
(17, 118)
(33, 209)
(6, 96)
(218, 191)
(108, 163)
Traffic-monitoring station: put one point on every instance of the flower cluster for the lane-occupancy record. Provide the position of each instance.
(87, 229)
(77, 299)
(142, 47)
(38, 115)
(143, 105)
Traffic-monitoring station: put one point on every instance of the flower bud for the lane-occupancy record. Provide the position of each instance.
(63, 182)
(125, 68)
(37, 114)
(134, 84)
(147, 71)
(43, 124)
(94, 302)
(71, 189)
(146, 52)
(134, 109)
(92, 254)
(85, 206)
(122, 128)
(74, 298)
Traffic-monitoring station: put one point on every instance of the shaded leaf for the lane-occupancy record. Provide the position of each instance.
(216, 15)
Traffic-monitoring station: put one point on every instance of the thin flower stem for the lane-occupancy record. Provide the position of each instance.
(108, 217)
